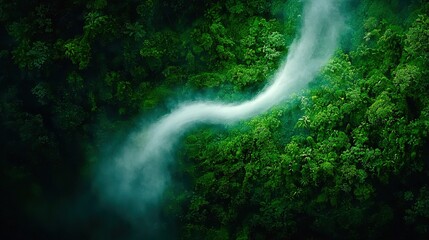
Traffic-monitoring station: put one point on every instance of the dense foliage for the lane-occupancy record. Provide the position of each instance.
(347, 158)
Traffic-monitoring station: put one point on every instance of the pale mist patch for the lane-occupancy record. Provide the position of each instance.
(134, 179)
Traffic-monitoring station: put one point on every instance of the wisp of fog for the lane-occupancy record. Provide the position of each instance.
(137, 176)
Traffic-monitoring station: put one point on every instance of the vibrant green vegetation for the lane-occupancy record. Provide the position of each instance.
(347, 158)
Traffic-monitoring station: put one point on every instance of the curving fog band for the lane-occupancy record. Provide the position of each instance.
(135, 180)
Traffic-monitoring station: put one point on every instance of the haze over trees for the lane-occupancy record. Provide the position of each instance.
(346, 158)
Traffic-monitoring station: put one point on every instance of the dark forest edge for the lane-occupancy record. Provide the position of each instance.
(346, 158)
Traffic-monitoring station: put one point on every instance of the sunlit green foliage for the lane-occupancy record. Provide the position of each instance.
(345, 158)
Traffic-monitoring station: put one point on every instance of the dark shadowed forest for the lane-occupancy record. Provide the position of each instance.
(345, 158)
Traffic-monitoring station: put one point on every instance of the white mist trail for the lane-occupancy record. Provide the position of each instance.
(139, 174)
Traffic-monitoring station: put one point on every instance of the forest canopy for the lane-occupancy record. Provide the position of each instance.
(345, 158)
